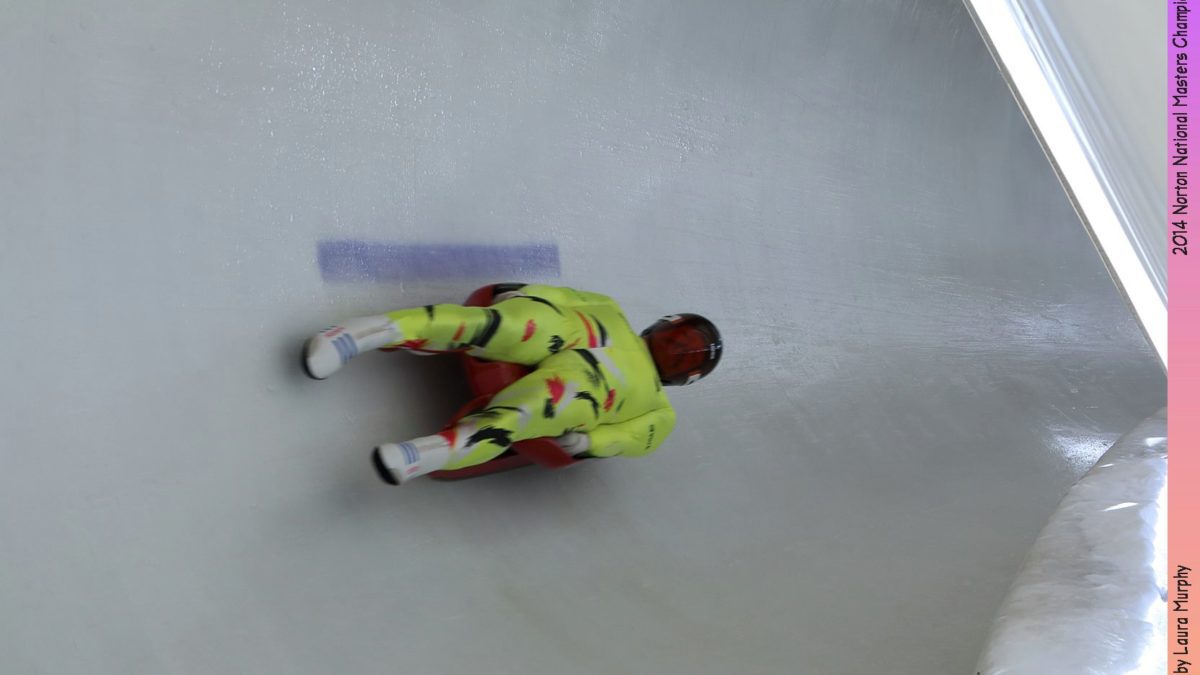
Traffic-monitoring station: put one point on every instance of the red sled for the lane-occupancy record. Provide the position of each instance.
(485, 379)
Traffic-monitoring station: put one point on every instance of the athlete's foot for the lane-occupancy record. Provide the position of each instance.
(329, 350)
(401, 462)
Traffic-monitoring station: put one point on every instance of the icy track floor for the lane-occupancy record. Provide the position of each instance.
(923, 352)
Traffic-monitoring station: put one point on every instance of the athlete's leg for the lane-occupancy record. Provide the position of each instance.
(518, 330)
(543, 403)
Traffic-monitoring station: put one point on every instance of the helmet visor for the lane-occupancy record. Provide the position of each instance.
(684, 350)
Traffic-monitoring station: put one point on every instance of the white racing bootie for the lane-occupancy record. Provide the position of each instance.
(401, 462)
(329, 350)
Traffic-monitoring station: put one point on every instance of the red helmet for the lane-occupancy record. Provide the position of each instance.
(685, 347)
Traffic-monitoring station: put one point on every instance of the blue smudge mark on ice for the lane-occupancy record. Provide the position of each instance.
(352, 260)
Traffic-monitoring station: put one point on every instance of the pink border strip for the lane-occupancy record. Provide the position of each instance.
(1183, 302)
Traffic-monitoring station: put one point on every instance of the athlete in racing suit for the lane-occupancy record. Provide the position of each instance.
(596, 385)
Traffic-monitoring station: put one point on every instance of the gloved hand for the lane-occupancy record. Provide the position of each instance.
(574, 443)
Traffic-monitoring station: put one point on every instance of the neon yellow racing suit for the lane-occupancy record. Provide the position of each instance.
(592, 372)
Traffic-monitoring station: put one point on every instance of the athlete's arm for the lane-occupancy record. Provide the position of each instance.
(633, 438)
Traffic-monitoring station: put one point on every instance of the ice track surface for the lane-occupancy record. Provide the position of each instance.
(923, 348)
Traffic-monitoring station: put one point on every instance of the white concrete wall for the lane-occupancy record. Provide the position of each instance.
(1089, 76)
